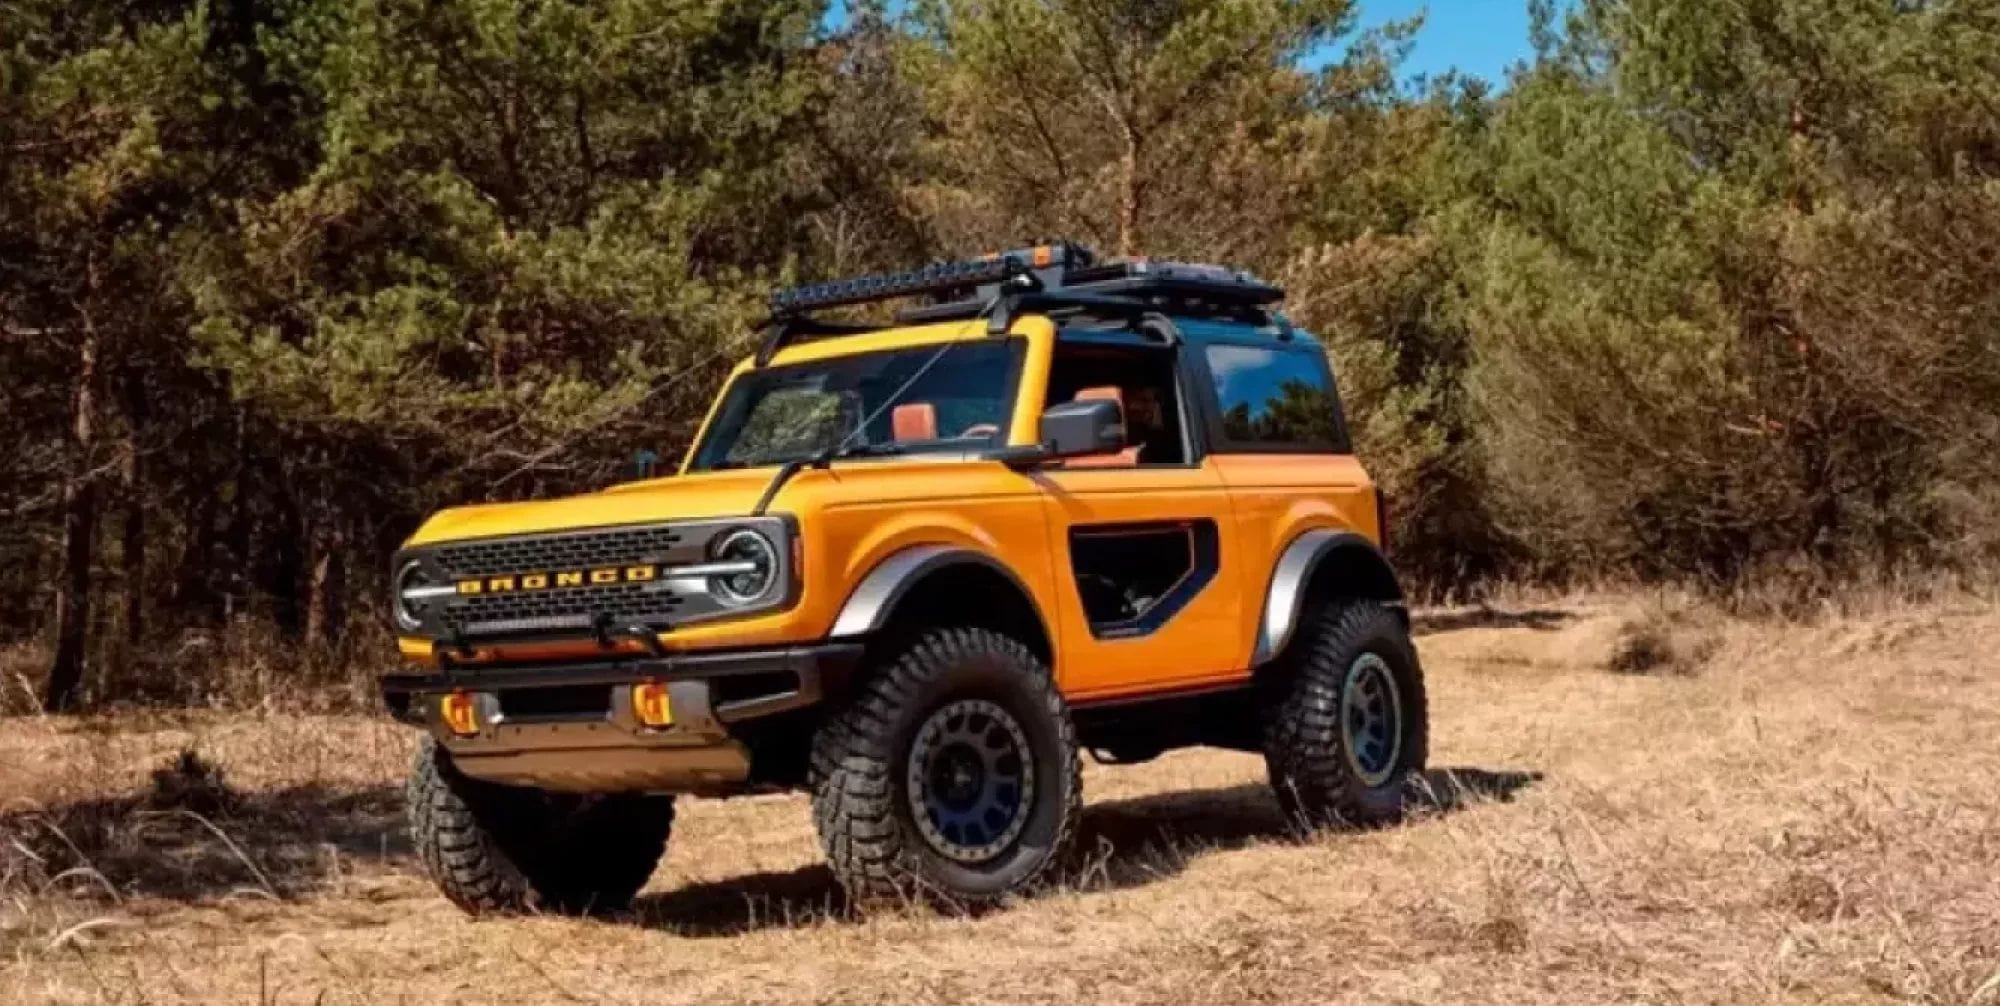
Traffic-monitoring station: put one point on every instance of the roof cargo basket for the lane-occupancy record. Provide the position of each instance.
(1055, 277)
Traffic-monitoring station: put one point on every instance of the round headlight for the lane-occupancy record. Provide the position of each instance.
(412, 593)
(753, 563)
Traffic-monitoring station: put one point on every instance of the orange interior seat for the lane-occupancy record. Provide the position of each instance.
(1127, 457)
(913, 421)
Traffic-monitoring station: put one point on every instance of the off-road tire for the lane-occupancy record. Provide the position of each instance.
(496, 849)
(1306, 751)
(861, 772)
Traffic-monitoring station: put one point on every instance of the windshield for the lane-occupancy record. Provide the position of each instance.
(964, 401)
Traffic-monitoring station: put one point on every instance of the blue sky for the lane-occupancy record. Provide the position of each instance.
(1481, 37)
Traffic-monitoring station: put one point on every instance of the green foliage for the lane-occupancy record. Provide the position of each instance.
(1669, 210)
(1705, 290)
(1141, 127)
(527, 218)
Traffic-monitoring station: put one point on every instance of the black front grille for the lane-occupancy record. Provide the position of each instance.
(574, 550)
(621, 604)
(575, 584)
(550, 608)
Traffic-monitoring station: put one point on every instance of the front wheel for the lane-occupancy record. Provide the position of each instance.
(952, 773)
(496, 849)
(1345, 718)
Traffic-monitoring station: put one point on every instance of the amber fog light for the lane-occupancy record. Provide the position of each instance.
(459, 713)
(650, 704)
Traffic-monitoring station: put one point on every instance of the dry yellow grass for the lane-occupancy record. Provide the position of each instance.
(1796, 813)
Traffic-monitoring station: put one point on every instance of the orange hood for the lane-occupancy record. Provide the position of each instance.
(681, 497)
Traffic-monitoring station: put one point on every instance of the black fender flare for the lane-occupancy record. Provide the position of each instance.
(1292, 575)
(871, 603)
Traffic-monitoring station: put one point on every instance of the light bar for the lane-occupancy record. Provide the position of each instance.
(930, 279)
(943, 277)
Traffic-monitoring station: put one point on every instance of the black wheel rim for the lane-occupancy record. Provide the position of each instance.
(1371, 719)
(970, 780)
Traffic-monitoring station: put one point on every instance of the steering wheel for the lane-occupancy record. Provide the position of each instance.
(979, 430)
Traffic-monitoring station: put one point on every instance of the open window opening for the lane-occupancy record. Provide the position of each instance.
(1141, 380)
(1133, 577)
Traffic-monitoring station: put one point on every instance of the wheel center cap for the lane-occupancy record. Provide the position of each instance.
(960, 777)
(1371, 719)
(971, 781)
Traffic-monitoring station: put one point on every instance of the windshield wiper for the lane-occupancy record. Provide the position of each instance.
(823, 459)
(838, 451)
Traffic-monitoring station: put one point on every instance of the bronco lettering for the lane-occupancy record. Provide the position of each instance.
(558, 579)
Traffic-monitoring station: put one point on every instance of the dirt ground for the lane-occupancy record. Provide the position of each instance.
(1740, 812)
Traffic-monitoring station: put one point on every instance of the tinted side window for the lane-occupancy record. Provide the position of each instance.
(1273, 399)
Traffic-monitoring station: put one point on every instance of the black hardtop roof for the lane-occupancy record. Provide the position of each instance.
(1056, 278)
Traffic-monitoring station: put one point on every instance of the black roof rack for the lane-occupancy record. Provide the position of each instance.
(1059, 276)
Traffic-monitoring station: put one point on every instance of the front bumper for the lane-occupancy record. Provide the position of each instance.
(572, 726)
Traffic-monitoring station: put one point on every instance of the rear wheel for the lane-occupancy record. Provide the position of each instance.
(952, 773)
(500, 849)
(1345, 720)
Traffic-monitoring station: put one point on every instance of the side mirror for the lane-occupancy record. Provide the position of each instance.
(1075, 429)
(1069, 430)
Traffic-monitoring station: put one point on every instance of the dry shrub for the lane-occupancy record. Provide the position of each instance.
(1901, 296)
(1809, 896)
(1665, 637)
(1810, 391)
(1800, 592)
(193, 783)
(1503, 927)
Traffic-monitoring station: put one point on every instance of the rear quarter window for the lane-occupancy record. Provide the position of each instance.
(1275, 399)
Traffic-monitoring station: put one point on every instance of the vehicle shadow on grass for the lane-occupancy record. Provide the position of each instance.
(1123, 844)
(197, 846)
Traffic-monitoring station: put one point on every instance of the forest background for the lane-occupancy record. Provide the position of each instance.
(1705, 291)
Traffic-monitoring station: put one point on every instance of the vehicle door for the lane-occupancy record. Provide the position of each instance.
(1148, 582)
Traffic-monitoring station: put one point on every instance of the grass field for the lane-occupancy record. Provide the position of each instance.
(1748, 812)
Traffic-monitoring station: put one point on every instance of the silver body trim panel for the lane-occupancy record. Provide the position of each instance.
(868, 607)
(714, 769)
(1284, 599)
(1287, 589)
(871, 604)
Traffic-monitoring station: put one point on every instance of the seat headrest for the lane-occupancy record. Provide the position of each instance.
(913, 421)
(1103, 393)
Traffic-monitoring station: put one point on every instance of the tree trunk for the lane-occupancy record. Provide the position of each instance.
(193, 584)
(133, 543)
(79, 535)
(1128, 195)
(236, 538)
(326, 613)
(287, 569)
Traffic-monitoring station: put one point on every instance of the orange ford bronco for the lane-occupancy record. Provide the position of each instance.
(916, 568)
